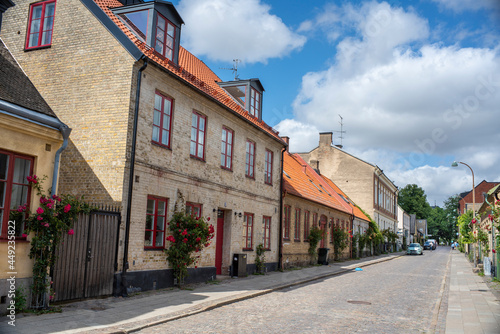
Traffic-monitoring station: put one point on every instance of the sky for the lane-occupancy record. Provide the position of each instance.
(416, 82)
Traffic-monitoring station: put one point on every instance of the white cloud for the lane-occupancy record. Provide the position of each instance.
(303, 138)
(236, 29)
(464, 5)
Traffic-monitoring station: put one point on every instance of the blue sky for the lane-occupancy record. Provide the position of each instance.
(416, 82)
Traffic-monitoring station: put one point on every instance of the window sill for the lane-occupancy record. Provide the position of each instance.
(247, 249)
(155, 143)
(227, 169)
(286, 239)
(154, 248)
(296, 240)
(37, 48)
(250, 177)
(196, 158)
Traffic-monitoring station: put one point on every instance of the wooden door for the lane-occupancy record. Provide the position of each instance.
(219, 241)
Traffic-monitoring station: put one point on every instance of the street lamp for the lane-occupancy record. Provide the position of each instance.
(455, 164)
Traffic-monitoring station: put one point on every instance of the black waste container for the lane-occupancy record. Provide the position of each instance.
(239, 265)
(323, 256)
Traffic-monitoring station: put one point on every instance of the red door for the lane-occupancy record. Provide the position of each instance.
(219, 240)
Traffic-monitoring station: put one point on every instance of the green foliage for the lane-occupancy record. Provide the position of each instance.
(465, 229)
(53, 217)
(482, 237)
(442, 222)
(188, 237)
(412, 199)
(355, 243)
(373, 235)
(315, 236)
(20, 299)
(260, 258)
(340, 241)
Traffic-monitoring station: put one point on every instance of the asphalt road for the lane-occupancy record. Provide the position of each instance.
(398, 296)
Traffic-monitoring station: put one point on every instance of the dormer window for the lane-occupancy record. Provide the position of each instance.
(248, 93)
(155, 23)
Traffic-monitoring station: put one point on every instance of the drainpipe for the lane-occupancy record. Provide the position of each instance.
(280, 238)
(65, 131)
(131, 179)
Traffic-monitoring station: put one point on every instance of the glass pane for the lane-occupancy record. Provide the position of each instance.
(201, 139)
(196, 212)
(158, 102)
(1, 221)
(202, 124)
(33, 40)
(161, 23)
(222, 160)
(192, 149)
(4, 163)
(229, 137)
(161, 208)
(3, 186)
(149, 222)
(37, 12)
(160, 223)
(188, 210)
(228, 165)
(151, 206)
(170, 42)
(159, 239)
(19, 196)
(21, 171)
(49, 9)
(138, 21)
(46, 37)
(148, 238)
(229, 150)
(160, 36)
(156, 117)
(168, 54)
(166, 121)
(194, 121)
(167, 106)
(156, 133)
(164, 137)
(170, 29)
(200, 151)
(193, 134)
(250, 220)
(223, 148)
(159, 47)
(35, 26)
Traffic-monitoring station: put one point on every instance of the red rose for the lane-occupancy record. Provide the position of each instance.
(198, 239)
(184, 240)
(473, 221)
(67, 208)
(208, 219)
(39, 218)
(494, 250)
(39, 211)
(184, 232)
(71, 232)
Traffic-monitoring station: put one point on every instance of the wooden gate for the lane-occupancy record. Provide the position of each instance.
(86, 261)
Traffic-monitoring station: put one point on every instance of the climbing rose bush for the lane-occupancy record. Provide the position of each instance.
(188, 236)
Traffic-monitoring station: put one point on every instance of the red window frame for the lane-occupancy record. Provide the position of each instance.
(8, 184)
(296, 233)
(315, 218)
(286, 222)
(250, 159)
(192, 208)
(332, 220)
(226, 158)
(306, 225)
(249, 224)
(42, 29)
(162, 113)
(165, 38)
(198, 133)
(268, 169)
(154, 227)
(255, 102)
(267, 232)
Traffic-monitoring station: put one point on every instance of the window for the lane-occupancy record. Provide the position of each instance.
(268, 170)
(296, 234)
(137, 22)
(193, 209)
(333, 228)
(14, 190)
(306, 225)
(267, 233)
(315, 219)
(165, 37)
(248, 230)
(156, 214)
(250, 159)
(162, 120)
(41, 23)
(226, 151)
(198, 136)
(286, 222)
(255, 102)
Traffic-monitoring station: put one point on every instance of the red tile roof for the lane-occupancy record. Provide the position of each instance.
(301, 180)
(357, 211)
(191, 70)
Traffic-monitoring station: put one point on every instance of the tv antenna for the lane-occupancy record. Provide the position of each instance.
(341, 131)
(234, 69)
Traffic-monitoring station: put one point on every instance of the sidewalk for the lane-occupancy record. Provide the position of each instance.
(125, 315)
(472, 307)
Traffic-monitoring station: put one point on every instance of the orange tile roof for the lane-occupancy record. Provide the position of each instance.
(300, 179)
(191, 70)
(356, 210)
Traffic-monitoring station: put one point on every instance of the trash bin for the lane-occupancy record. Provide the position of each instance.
(323, 256)
(239, 265)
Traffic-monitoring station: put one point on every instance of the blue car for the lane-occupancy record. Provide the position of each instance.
(415, 249)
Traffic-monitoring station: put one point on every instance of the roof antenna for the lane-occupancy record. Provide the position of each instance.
(341, 131)
(234, 69)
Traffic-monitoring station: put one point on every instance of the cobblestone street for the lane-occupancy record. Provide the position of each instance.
(399, 296)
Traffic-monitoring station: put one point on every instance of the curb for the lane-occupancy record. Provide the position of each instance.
(245, 296)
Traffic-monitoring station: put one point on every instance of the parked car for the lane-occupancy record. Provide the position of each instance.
(415, 248)
(428, 245)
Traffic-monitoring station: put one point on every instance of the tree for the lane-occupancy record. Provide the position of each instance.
(442, 222)
(412, 199)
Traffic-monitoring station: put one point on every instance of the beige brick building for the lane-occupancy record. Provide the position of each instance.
(364, 182)
(102, 67)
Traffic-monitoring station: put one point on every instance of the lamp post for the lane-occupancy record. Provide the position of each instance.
(455, 164)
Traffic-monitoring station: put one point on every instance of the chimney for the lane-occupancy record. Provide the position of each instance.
(286, 139)
(325, 139)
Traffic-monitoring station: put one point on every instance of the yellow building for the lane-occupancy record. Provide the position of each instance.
(31, 141)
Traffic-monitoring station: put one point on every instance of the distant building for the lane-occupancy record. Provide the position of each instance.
(403, 225)
(466, 202)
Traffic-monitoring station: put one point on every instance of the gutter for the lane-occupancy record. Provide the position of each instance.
(280, 238)
(131, 180)
(65, 131)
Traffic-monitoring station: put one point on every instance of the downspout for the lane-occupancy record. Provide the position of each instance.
(65, 131)
(280, 238)
(131, 180)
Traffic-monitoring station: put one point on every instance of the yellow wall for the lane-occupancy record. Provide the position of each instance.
(30, 139)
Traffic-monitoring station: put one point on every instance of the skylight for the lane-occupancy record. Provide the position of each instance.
(315, 186)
